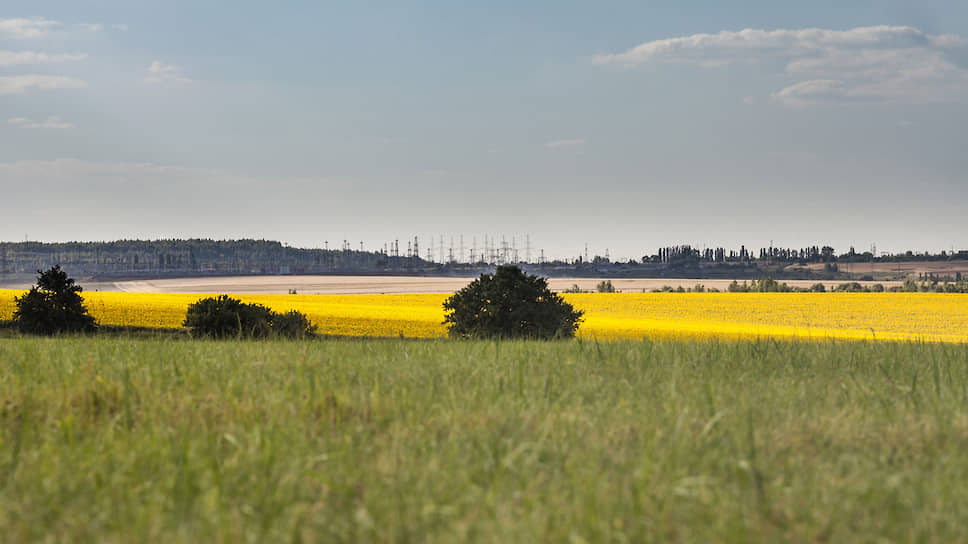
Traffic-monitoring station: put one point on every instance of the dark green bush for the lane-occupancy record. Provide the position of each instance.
(605, 286)
(510, 304)
(226, 317)
(850, 287)
(53, 306)
(292, 324)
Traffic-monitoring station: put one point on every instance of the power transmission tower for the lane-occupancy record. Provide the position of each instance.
(873, 256)
(514, 250)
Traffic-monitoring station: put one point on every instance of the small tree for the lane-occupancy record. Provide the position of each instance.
(509, 304)
(53, 306)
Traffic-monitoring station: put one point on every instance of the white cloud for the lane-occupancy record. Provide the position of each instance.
(812, 91)
(10, 85)
(560, 144)
(14, 58)
(869, 64)
(121, 27)
(91, 27)
(160, 73)
(26, 28)
(749, 100)
(52, 122)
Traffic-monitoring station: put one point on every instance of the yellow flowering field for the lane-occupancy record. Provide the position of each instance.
(881, 316)
(878, 316)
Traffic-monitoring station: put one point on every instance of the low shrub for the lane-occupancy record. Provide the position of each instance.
(605, 286)
(227, 317)
(292, 324)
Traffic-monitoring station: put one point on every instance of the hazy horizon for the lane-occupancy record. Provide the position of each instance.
(623, 126)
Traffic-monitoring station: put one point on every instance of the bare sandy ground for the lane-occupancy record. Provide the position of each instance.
(308, 285)
(915, 267)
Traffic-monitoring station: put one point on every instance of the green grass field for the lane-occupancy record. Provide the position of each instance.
(119, 439)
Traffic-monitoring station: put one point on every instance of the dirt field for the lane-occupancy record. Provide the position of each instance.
(375, 284)
(940, 268)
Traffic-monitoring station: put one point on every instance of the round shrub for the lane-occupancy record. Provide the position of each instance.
(510, 304)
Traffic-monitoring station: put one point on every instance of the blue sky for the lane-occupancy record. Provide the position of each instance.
(623, 125)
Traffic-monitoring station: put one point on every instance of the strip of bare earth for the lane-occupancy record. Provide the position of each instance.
(373, 285)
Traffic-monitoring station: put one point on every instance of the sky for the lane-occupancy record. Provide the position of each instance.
(625, 126)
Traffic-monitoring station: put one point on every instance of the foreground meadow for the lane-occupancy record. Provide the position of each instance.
(115, 439)
(612, 316)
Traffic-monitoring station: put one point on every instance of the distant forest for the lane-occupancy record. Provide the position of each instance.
(196, 257)
(132, 259)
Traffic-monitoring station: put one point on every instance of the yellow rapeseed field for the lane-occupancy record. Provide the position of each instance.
(873, 316)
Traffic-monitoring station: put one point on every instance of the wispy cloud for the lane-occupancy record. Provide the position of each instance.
(70, 168)
(159, 72)
(864, 64)
(10, 85)
(26, 28)
(52, 122)
(14, 58)
(91, 27)
(559, 144)
(120, 26)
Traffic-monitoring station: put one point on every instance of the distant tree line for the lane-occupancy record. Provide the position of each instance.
(807, 255)
(770, 285)
(200, 257)
(134, 258)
